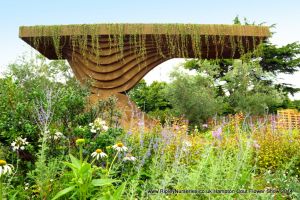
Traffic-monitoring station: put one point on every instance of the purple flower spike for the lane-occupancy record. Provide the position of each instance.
(217, 133)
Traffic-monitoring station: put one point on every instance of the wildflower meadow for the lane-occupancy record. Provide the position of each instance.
(54, 146)
(79, 122)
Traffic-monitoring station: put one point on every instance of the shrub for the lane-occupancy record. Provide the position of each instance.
(277, 149)
(194, 97)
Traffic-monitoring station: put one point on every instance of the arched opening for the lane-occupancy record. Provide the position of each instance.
(163, 70)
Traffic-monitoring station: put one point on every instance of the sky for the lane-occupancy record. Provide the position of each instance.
(285, 14)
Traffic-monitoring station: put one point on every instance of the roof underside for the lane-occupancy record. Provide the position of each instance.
(41, 37)
(117, 56)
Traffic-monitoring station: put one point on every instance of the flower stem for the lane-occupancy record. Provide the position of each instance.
(112, 163)
(0, 187)
(93, 161)
(106, 167)
(80, 153)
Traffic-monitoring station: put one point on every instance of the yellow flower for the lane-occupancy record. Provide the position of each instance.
(5, 168)
(99, 154)
(120, 147)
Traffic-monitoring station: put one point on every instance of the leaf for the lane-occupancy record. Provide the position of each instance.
(102, 182)
(63, 192)
(70, 165)
(75, 161)
(118, 193)
(85, 168)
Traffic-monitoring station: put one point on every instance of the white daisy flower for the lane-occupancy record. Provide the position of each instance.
(119, 147)
(105, 128)
(93, 130)
(129, 157)
(99, 124)
(99, 121)
(98, 154)
(186, 145)
(205, 125)
(19, 143)
(91, 124)
(24, 141)
(57, 135)
(26, 186)
(5, 168)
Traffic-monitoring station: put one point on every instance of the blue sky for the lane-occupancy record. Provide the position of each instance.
(15, 13)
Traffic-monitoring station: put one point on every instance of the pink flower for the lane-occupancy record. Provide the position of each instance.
(256, 145)
(217, 133)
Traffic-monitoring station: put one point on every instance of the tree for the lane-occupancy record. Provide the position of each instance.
(278, 60)
(150, 98)
(248, 94)
(194, 96)
(245, 86)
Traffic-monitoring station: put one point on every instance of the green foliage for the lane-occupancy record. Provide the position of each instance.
(295, 104)
(219, 169)
(248, 94)
(42, 102)
(39, 98)
(254, 93)
(193, 96)
(82, 183)
(284, 59)
(244, 85)
(42, 177)
(150, 98)
(27, 91)
(236, 20)
(106, 138)
(100, 140)
(285, 180)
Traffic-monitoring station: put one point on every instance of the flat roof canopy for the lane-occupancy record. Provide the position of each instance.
(108, 29)
(117, 56)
